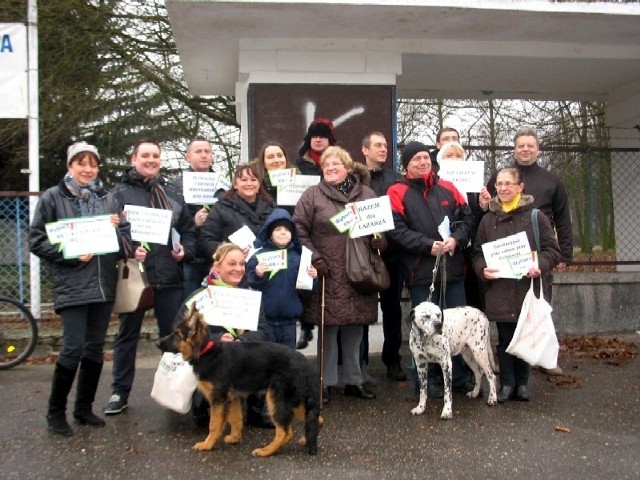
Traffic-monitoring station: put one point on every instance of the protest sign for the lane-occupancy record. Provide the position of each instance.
(149, 224)
(466, 176)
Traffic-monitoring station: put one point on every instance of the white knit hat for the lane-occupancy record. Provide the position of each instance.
(80, 147)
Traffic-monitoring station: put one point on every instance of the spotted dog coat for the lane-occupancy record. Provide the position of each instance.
(465, 331)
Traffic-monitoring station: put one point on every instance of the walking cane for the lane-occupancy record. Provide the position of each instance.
(321, 353)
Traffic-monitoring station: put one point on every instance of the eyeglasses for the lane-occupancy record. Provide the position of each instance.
(505, 184)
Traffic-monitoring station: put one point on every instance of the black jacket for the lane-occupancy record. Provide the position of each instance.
(74, 282)
(227, 216)
(550, 196)
(162, 270)
(419, 206)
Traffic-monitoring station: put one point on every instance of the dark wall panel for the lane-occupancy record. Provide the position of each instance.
(280, 111)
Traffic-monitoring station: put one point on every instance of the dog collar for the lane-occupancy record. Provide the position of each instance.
(207, 346)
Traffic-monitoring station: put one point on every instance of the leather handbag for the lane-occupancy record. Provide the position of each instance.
(365, 269)
(133, 292)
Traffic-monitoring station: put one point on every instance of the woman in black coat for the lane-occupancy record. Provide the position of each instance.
(83, 287)
(246, 204)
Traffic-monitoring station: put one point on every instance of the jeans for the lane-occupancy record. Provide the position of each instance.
(392, 315)
(84, 328)
(166, 303)
(282, 331)
(454, 297)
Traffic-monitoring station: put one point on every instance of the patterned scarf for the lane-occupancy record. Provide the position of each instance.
(159, 197)
(347, 185)
(85, 202)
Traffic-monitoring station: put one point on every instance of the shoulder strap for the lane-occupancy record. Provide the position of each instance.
(536, 228)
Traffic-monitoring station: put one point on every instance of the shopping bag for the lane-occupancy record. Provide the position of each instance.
(174, 383)
(534, 340)
(133, 292)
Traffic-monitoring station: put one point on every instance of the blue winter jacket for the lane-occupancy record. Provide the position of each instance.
(280, 298)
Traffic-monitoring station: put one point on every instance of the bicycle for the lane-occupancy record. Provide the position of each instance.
(18, 333)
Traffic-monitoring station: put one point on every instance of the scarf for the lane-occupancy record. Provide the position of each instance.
(315, 156)
(159, 197)
(512, 205)
(347, 185)
(85, 200)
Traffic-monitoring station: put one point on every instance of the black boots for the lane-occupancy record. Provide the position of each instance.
(306, 335)
(61, 385)
(88, 379)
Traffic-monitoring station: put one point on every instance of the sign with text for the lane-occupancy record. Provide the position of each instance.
(290, 194)
(14, 85)
(466, 176)
(279, 178)
(374, 216)
(511, 255)
(199, 188)
(79, 236)
(229, 307)
(149, 224)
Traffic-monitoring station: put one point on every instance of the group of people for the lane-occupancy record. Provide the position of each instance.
(84, 287)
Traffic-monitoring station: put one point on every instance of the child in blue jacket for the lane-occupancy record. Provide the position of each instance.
(281, 300)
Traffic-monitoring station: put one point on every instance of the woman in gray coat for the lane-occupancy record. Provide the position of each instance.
(345, 310)
(510, 213)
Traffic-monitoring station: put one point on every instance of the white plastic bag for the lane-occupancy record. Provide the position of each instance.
(534, 340)
(174, 383)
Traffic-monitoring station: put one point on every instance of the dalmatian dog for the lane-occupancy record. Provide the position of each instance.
(465, 331)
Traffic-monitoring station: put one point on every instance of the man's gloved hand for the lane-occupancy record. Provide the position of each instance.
(322, 267)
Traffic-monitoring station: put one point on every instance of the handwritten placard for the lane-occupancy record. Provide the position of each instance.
(149, 224)
(290, 194)
(79, 236)
(275, 260)
(511, 255)
(466, 176)
(200, 188)
(374, 216)
(229, 307)
(283, 177)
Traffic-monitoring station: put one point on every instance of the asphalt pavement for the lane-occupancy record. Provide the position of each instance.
(583, 425)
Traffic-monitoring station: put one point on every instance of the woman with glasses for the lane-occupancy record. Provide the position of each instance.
(509, 213)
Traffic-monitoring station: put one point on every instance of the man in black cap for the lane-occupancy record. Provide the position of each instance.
(421, 202)
(320, 135)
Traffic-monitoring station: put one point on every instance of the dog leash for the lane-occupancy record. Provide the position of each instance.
(443, 278)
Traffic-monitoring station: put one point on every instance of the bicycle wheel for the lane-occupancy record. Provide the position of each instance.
(18, 333)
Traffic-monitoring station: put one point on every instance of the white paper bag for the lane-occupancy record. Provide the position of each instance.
(534, 340)
(174, 383)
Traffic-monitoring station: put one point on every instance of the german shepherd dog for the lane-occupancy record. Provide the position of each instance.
(227, 372)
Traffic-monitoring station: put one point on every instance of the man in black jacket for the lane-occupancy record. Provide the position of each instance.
(374, 149)
(200, 158)
(142, 185)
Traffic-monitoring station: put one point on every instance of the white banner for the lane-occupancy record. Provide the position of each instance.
(14, 87)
